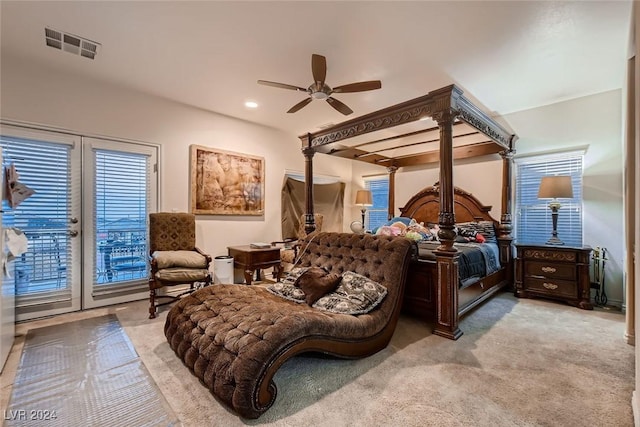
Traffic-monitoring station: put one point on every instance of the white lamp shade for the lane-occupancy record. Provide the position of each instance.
(555, 187)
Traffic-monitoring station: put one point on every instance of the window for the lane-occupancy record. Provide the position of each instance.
(533, 216)
(121, 209)
(377, 214)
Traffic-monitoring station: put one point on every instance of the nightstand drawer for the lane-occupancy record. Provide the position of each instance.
(552, 287)
(552, 270)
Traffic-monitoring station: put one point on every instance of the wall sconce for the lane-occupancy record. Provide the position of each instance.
(363, 199)
(555, 187)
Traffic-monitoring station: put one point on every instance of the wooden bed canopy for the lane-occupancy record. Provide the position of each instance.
(439, 127)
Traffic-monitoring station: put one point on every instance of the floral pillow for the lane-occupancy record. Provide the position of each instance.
(356, 294)
(287, 288)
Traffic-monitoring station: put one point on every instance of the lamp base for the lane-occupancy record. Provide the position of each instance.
(554, 241)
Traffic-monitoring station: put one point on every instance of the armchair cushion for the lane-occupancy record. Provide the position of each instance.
(184, 259)
(181, 275)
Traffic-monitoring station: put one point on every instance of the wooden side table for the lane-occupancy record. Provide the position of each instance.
(559, 272)
(251, 259)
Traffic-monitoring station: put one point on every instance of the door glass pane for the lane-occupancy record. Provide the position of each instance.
(41, 273)
(121, 209)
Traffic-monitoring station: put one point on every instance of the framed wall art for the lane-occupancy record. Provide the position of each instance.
(226, 183)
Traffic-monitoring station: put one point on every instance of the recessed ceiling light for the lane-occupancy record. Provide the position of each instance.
(251, 104)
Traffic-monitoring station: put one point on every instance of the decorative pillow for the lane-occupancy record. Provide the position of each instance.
(402, 219)
(469, 235)
(293, 274)
(417, 231)
(287, 288)
(486, 228)
(356, 294)
(388, 230)
(317, 282)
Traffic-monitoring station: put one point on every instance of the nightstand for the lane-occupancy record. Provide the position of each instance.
(250, 259)
(558, 272)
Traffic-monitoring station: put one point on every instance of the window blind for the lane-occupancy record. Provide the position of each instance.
(533, 217)
(122, 197)
(377, 214)
(41, 275)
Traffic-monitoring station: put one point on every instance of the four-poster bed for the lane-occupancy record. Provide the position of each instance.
(435, 128)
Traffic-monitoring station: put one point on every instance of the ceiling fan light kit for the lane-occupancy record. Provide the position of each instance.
(320, 90)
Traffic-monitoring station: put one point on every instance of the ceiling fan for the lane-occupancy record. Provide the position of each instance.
(320, 90)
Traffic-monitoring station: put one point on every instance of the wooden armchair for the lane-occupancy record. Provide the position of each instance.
(289, 252)
(173, 256)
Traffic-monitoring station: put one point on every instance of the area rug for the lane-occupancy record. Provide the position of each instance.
(84, 373)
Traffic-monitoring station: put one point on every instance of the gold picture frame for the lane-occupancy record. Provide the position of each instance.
(226, 183)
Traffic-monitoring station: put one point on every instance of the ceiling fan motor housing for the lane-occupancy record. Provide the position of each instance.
(320, 91)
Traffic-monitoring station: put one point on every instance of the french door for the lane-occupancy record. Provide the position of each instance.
(120, 181)
(85, 223)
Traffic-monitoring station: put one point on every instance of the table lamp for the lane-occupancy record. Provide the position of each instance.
(363, 199)
(555, 187)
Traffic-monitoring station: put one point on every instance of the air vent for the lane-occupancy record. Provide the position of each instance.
(71, 43)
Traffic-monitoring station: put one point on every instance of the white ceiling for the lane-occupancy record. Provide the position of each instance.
(509, 55)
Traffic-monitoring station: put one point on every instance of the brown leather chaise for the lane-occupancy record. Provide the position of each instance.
(235, 337)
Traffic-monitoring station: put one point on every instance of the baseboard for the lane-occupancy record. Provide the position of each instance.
(636, 409)
(630, 338)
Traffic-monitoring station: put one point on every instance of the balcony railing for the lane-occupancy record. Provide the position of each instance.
(121, 255)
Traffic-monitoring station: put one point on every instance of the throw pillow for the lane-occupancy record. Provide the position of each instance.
(486, 228)
(287, 288)
(356, 294)
(317, 282)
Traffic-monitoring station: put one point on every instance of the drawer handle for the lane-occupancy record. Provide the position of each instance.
(550, 285)
(549, 269)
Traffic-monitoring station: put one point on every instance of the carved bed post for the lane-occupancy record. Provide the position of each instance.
(308, 152)
(505, 239)
(392, 191)
(446, 253)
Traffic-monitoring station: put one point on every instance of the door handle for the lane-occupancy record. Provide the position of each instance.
(73, 233)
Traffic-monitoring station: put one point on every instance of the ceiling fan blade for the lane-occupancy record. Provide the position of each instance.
(281, 85)
(339, 106)
(358, 87)
(319, 68)
(299, 105)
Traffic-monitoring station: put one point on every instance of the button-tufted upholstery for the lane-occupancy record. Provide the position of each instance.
(235, 337)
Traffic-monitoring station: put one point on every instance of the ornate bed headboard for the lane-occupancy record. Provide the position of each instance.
(425, 206)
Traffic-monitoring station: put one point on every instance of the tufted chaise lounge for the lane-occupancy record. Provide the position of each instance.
(235, 337)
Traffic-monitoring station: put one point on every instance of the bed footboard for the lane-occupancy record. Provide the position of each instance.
(420, 296)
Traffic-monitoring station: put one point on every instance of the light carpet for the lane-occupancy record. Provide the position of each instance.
(520, 362)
